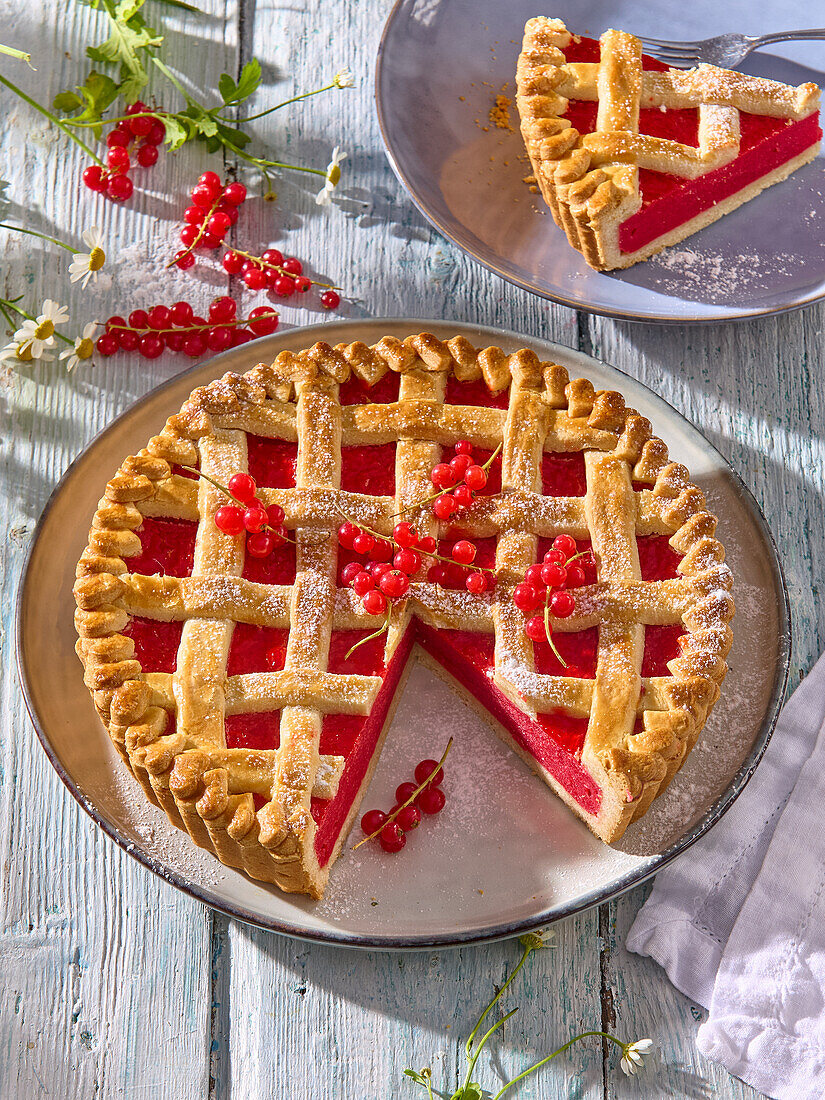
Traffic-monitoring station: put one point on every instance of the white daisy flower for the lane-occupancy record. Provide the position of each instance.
(82, 349)
(39, 334)
(633, 1055)
(324, 196)
(21, 352)
(542, 937)
(86, 265)
(344, 79)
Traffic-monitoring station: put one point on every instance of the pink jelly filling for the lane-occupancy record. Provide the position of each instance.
(256, 649)
(356, 392)
(563, 475)
(253, 731)
(156, 643)
(661, 646)
(277, 568)
(167, 548)
(657, 559)
(668, 201)
(475, 393)
(272, 462)
(369, 470)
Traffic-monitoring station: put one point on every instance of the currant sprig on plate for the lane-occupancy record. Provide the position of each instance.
(412, 799)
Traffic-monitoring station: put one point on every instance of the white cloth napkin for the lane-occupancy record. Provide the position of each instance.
(738, 921)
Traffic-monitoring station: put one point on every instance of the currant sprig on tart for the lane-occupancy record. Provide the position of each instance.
(250, 695)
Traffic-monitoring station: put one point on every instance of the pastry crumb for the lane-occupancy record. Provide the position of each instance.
(500, 112)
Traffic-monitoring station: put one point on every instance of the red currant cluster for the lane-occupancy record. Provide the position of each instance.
(264, 526)
(412, 799)
(458, 480)
(143, 131)
(213, 212)
(273, 271)
(546, 584)
(177, 328)
(378, 581)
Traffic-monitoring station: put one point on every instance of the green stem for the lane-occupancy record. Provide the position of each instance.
(170, 76)
(12, 52)
(47, 114)
(549, 633)
(491, 1031)
(391, 817)
(561, 1050)
(42, 236)
(496, 999)
(375, 634)
(6, 304)
(278, 106)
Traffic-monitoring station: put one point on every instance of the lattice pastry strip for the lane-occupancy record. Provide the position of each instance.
(639, 728)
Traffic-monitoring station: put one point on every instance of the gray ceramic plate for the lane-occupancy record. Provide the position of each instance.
(446, 60)
(505, 854)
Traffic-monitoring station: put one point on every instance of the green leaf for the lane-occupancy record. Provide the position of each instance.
(94, 97)
(129, 34)
(176, 133)
(249, 80)
(66, 102)
(472, 1091)
(227, 87)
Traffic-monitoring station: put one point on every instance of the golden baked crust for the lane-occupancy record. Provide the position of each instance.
(591, 181)
(207, 788)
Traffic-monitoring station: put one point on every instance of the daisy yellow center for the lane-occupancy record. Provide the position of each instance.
(97, 258)
(84, 348)
(334, 175)
(44, 330)
(24, 353)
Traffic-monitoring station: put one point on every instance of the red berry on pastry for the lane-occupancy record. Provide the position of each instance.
(362, 582)
(565, 543)
(463, 496)
(394, 584)
(374, 603)
(229, 519)
(347, 533)
(437, 574)
(444, 506)
(405, 534)
(526, 597)
(363, 543)
(382, 551)
(554, 556)
(350, 571)
(254, 518)
(575, 576)
(475, 478)
(275, 515)
(464, 447)
(260, 545)
(464, 552)
(535, 630)
(533, 576)
(476, 583)
(427, 545)
(408, 561)
(562, 604)
(242, 487)
(442, 476)
(553, 575)
(460, 465)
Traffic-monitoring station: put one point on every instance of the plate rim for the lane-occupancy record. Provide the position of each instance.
(505, 930)
(560, 298)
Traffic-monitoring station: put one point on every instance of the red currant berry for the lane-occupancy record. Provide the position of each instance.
(431, 800)
(442, 476)
(363, 543)
(128, 340)
(209, 240)
(106, 344)
(476, 583)
(118, 159)
(194, 345)
(219, 339)
(459, 465)
(292, 266)
(184, 260)
(210, 179)
(405, 791)
(575, 576)
(284, 287)
(374, 603)
(362, 582)
(562, 604)
(533, 576)
(382, 551)
(279, 535)
(118, 137)
(174, 340)
(260, 544)
(302, 284)
(232, 263)
(159, 317)
(234, 193)
(243, 488)
(240, 336)
(437, 574)
(204, 195)
(427, 545)
(230, 211)
(194, 215)
(535, 630)
(392, 837)
(349, 572)
(135, 108)
(140, 127)
(147, 155)
(254, 518)
(273, 256)
(464, 447)
(116, 322)
(554, 556)
(463, 552)
(219, 224)
(444, 506)
(553, 575)
(222, 310)
(409, 818)
(276, 515)
(394, 584)
(95, 177)
(475, 478)
(255, 279)
(229, 519)
(274, 658)
(378, 569)
(181, 313)
(188, 235)
(407, 561)
(330, 299)
(405, 534)
(151, 346)
(157, 135)
(372, 821)
(526, 598)
(263, 320)
(424, 769)
(347, 533)
(566, 544)
(463, 496)
(139, 318)
(119, 188)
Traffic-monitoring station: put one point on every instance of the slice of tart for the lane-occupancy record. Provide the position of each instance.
(632, 156)
(233, 685)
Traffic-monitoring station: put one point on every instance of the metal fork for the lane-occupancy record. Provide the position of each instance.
(725, 50)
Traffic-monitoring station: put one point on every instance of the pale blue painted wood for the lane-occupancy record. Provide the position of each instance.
(113, 983)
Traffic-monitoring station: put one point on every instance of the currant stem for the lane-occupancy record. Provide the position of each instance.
(190, 328)
(201, 233)
(441, 492)
(381, 630)
(52, 118)
(549, 632)
(42, 236)
(234, 499)
(262, 263)
(278, 106)
(391, 817)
